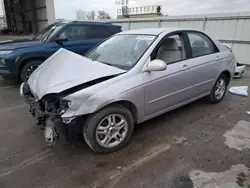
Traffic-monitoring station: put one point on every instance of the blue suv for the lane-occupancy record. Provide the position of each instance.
(19, 58)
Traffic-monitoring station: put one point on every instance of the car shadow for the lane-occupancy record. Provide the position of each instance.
(170, 117)
(6, 83)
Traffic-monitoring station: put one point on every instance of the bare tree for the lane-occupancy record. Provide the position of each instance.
(81, 15)
(102, 15)
(91, 15)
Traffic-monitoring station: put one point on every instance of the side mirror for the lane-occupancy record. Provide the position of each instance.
(60, 41)
(230, 48)
(156, 65)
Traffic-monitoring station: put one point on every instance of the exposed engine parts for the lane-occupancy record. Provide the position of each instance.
(50, 132)
(48, 112)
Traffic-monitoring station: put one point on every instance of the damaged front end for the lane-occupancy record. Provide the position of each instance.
(48, 111)
(61, 75)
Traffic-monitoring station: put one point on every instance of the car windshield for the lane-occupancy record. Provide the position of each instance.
(43, 31)
(122, 51)
(49, 32)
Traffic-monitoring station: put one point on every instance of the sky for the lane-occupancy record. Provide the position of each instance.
(66, 9)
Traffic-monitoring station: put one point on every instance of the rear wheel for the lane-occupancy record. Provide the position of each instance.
(109, 129)
(28, 69)
(219, 90)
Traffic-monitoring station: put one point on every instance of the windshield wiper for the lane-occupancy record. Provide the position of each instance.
(104, 62)
(107, 64)
(94, 59)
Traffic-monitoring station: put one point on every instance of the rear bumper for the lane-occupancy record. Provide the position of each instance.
(239, 70)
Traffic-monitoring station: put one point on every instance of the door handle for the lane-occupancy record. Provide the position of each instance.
(217, 58)
(185, 67)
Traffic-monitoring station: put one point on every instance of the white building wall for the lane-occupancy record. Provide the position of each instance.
(50, 11)
(232, 29)
(45, 13)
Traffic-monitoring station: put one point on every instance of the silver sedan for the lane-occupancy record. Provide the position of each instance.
(128, 79)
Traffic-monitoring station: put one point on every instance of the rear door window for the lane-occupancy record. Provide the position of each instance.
(74, 32)
(201, 45)
(97, 32)
(114, 29)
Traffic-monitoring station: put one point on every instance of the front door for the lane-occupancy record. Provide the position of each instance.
(166, 89)
(78, 40)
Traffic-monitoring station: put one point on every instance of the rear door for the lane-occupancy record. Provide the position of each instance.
(203, 64)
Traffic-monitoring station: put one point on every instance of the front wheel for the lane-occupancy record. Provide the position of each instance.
(109, 129)
(219, 90)
(28, 69)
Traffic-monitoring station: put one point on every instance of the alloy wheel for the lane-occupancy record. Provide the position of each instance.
(112, 130)
(30, 70)
(220, 89)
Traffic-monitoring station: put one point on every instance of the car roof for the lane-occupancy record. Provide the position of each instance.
(155, 31)
(87, 22)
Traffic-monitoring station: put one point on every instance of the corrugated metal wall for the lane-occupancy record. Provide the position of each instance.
(232, 29)
(29, 15)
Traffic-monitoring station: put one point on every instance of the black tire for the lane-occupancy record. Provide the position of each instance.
(212, 97)
(25, 73)
(93, 120)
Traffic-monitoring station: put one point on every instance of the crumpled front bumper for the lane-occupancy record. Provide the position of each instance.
(51, 123)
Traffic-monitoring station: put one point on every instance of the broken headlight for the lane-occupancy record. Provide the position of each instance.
(64, 105)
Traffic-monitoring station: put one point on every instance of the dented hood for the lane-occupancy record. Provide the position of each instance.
(64, 70)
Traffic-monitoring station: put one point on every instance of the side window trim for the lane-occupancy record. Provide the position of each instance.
(216, 50)
(187, 45)
(181, 35)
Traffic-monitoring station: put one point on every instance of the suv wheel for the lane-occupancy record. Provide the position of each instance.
(28, 69)
(109, 129)
(219, 90)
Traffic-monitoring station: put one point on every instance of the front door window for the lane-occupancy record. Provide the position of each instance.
(171, 50)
